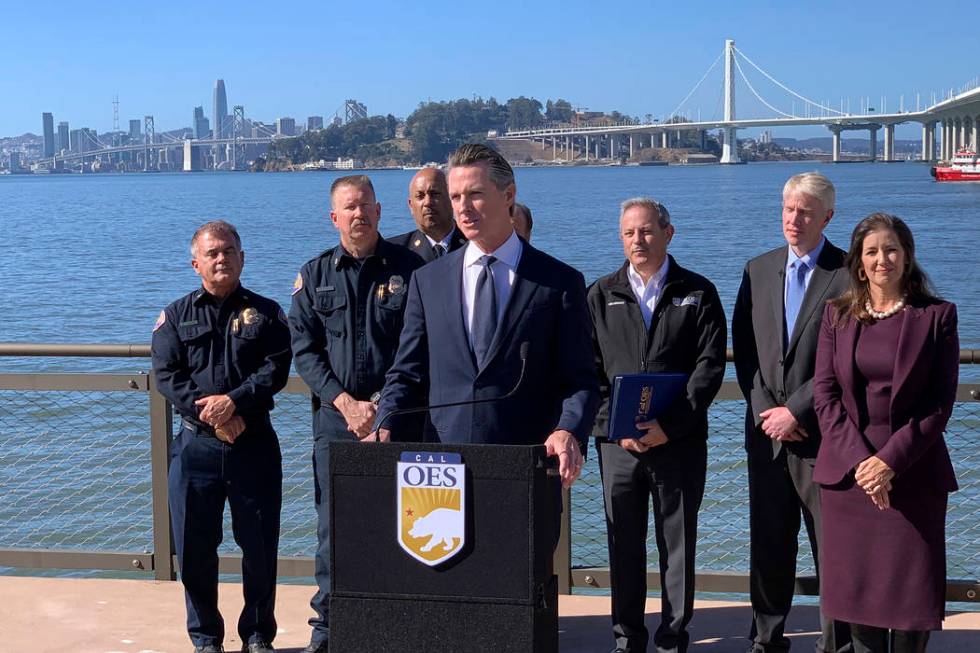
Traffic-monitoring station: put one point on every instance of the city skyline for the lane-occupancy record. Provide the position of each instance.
(282, 65)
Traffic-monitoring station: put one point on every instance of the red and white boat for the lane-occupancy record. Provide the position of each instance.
(964, 167)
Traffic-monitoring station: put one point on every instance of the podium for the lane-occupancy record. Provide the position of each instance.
(495, 591)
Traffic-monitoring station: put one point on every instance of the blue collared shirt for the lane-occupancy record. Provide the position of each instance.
(809, 260)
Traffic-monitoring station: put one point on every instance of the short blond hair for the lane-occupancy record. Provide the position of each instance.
(813, 184)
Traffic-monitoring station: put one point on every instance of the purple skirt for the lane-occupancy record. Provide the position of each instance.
(883, 568)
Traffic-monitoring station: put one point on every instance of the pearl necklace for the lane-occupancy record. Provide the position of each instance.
(881, 315)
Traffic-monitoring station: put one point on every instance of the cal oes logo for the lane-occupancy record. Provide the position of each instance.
(431, 505)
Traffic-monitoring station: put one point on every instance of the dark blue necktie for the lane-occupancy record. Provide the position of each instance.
(795, 289)
(439, 249)
(484, 311)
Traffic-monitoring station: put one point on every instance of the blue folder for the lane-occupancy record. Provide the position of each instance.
(640, 398)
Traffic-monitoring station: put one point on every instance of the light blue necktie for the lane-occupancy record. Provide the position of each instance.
(484, 311)
(795, 290)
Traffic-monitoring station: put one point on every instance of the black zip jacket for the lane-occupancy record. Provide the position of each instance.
(687, 334)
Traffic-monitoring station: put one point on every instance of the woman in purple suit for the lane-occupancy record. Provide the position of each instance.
(885, 382)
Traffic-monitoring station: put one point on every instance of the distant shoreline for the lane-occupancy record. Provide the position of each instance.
(516, 165)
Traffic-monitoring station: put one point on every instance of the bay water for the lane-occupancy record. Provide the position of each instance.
(93, 259)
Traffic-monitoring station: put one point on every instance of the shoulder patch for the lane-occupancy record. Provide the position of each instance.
(160, 320)
(298, 283)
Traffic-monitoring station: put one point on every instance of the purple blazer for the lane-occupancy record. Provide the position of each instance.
(923, 392)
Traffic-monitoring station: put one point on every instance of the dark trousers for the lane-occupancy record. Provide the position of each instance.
(871, 639)
(328, 425)
(673, 475)
(204, 473)
(780, 491)
(321, 564)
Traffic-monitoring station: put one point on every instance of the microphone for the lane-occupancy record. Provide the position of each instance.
(524, 349)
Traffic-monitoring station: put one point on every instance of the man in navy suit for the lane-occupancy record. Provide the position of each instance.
(428, 200)
(468, 317)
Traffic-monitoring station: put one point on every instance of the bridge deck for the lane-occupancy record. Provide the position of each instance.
(137, 616)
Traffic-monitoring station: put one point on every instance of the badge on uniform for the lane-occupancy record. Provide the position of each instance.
(298, 283)
(431, 505)
(690, 300)
(160, 320)
(396, 285)
(250, 316)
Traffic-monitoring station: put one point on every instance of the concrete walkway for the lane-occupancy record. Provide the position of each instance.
(39, 615)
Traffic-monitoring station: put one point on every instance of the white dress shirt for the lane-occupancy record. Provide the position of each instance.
(445, 242)
(504, 272)
(647, 294)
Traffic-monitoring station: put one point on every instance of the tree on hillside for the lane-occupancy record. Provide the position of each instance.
(437, 128)
(558, 111)
(334, 141)
(523, 113)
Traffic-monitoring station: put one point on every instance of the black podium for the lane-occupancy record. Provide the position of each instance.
(495, 592)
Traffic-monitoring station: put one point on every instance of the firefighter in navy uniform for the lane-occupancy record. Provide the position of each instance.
(345, 321)
(220, 354)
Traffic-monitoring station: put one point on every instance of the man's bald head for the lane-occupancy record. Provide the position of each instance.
(430, 173)
(428, 200)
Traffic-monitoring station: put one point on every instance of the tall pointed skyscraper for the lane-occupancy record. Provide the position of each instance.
(47, 121)
(220, 123)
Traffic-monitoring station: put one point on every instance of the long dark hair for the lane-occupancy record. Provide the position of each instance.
(915, 284)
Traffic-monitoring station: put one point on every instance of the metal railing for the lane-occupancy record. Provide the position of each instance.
(83, 476)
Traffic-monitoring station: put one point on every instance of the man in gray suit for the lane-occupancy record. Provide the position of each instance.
(774, 335)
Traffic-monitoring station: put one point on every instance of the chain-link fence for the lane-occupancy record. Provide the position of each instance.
(75, 474)
(723, 522)
(75, 470)
(293, 423)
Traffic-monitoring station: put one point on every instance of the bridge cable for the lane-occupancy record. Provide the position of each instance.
(756, 94)
(705, 76)
(782, 86)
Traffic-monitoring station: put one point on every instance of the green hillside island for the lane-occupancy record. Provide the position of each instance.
(430, 133)
(435, 129)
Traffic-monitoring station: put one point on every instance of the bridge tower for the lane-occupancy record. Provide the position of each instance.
(238, 134)
(149, 135)
(729, 149)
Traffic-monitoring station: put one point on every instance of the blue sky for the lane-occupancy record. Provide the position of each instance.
(303, 58)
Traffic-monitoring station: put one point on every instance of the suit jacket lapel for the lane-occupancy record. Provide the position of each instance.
(453, 306)
(777, 301)
(520, 295)
(911, 343)
(458, 240)
(816, 291)
(423, 249)
(846, 364)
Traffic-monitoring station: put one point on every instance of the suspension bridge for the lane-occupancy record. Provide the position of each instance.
(231, 142)
(957, 117)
